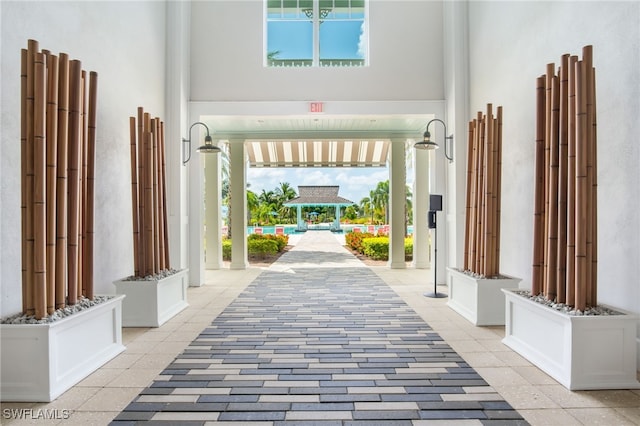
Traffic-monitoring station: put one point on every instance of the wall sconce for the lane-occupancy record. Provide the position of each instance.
(427, 143)
(207, 148)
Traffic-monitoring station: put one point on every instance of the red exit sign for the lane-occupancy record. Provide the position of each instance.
(316, 106)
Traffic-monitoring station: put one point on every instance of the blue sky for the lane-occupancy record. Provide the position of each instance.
(294, 39)
(355, 182)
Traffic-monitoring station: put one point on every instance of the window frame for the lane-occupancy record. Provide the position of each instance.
(316, 20)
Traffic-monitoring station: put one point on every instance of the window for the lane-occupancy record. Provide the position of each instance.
(303, 33)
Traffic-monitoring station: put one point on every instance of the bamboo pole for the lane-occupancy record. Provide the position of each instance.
(134, 196)
(75, 104)
(161, 223)
(61, 181)
(488, 191)
(498, 191)
(52, 158)
(537, 286)
(582, 189)
(39, 190)
(571, 186)
(473, 223)
(587, 57)
(89, 207)
(23, 171)
(154, 190)
(167, 259)
(142, 151)
(32, 49)
(563, 125)
(467, 230)
(594, 192)
(552, 192)
(481, 197)
(82, 182)
(148, 193)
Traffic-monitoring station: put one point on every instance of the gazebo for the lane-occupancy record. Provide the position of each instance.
(318, 196)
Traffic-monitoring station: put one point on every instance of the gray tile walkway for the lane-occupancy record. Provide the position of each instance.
(318, 339)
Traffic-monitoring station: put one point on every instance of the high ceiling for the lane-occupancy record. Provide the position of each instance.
(317, 141)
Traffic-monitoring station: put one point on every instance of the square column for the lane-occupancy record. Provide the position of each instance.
(238, 190)
(421, 250)
(397, 202)
(212, 220)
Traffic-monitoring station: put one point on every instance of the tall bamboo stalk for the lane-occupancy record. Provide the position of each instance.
(468, 216)
(61, 181)
(134, 195)
(563, 162)
(87, 280)
(75, 133)
(55, 195)
(148, 194)
(537, 280)
(570, 231)
(52, 159)
(482, 233)
(39, 189)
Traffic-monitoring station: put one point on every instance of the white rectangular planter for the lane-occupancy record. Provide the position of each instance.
(580, 352)
(151, 303)
(479, 300)
(42, 361)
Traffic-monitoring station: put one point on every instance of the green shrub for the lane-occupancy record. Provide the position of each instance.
(262, 246)
(226, 249)
(408, 248)
(377, 248)
(280, 240)
(354, 240)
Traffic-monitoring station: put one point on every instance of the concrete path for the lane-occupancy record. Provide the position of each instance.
(319, 339)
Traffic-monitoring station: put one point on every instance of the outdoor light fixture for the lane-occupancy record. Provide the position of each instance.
(207, 148)
(427, 143)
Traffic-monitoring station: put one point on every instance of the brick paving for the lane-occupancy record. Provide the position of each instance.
(324, 345)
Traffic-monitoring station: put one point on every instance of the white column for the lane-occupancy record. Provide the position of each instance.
(196, 211)
(421, 253)
(212, 218)
(176, 125)
(238, 188)
(397, 200)
(456, 58)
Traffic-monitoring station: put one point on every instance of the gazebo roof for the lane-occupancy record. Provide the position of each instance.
(318, 196)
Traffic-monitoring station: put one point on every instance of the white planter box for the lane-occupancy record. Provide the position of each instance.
(42, 361)
(580, 352)
(151, 303)
(479, 300)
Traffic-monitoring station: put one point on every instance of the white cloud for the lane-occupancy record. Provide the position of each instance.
(355, 183)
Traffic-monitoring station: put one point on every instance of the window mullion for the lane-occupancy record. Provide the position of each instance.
(316, 33)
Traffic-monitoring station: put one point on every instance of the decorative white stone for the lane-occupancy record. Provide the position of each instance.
(479, 300)
(581, 352)
(42, 361)
(151, 303)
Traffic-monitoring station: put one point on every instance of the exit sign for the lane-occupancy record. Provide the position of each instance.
(315, 106)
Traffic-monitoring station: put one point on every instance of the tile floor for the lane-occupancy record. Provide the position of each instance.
(539, 399)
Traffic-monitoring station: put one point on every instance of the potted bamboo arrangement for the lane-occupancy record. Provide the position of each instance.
(559, 325)
(475, 290)
(155, 292)
(64, 331)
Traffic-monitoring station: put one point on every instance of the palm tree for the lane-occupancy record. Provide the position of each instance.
(284, 193)
(368, 204)
(381, 198)
(252, 204)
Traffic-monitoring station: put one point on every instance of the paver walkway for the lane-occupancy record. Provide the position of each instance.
(318, 339)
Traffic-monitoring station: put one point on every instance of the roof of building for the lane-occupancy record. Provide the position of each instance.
(318, 195)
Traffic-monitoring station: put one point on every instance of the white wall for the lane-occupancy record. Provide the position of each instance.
(510, 45)
(124, 42)
(405, 47)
